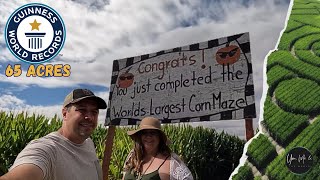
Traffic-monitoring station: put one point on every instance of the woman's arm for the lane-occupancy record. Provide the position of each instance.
(125, 162)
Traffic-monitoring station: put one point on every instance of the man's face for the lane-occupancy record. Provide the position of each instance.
(80, 119)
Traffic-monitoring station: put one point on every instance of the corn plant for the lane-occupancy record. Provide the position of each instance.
(208, 154)
(16, 131)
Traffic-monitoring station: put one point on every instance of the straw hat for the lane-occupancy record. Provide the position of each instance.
(149, 123)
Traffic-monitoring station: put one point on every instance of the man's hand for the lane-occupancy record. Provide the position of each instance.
(24, 172)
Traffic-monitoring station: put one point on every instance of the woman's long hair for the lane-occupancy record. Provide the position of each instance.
(134, 162)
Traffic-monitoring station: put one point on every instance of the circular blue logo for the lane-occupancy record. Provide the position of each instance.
(35, 33)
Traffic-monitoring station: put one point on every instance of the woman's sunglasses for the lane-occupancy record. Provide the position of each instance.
(149, 133)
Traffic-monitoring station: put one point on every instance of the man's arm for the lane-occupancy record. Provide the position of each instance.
(24, 172)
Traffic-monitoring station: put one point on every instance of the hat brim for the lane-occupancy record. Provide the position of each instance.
(100, 102)
(133, 134)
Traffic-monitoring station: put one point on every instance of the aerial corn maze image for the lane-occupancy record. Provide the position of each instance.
(291, 115)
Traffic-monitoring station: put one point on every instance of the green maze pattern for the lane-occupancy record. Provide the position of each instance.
(244, 173)
(293, 96)
(291, 115)
(308, 57)
(283, 131)
(261, 151)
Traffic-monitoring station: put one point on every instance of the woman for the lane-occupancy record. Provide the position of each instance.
(151, 158)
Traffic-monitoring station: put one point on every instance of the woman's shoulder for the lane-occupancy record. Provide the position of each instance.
(178, 169)
(175, 157)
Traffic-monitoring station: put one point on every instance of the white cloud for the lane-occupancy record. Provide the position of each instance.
(127, 28)
(100, 31)
(10, 103)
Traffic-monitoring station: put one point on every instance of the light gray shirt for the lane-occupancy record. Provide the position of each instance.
(61, 159)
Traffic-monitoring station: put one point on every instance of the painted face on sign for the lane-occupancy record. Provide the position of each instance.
(125, 80)
(228, 55)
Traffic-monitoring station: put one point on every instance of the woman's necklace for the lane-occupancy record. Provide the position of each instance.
(142, 174)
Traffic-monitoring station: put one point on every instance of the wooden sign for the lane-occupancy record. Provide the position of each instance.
(205, 81)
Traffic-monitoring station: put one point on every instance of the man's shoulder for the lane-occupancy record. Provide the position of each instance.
(54, 141)
(46, 142)
(38, 152)
(49, 137)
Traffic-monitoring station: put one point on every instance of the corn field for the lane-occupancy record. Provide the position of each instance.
(208, 154)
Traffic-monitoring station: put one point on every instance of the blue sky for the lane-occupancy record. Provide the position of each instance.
(100, 31)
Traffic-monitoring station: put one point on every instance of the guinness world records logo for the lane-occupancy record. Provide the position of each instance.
(35, 33)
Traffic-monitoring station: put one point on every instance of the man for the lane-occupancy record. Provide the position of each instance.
(69, 153)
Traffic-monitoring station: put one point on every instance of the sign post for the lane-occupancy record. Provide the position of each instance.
(108, 152)
(249, 128)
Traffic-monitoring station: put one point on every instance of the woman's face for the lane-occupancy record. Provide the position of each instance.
(150, 139)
